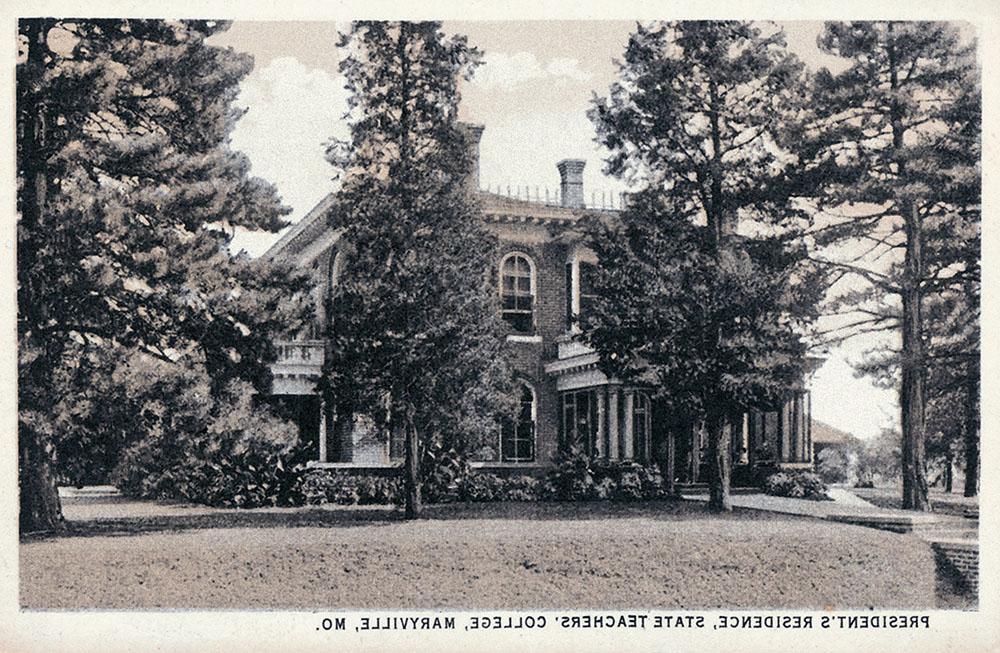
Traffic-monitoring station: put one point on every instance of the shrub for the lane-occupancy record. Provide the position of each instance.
(219, 451)
(482, 487)
(797, 485)
(629, 486)
(572, 479)
(578, 478)
(833, 465)
(319, 486)
(521, 488)
(444, 471)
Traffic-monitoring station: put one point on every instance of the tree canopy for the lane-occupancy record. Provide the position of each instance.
(706, 293)
(128, 193)
(890, 152)
(415, 337)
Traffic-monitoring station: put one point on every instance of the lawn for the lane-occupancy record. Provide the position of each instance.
(664, 554)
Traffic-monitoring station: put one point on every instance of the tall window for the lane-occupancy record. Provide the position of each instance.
(517, 436)
(641, 426)
(517, 292)
(588, 272)
(579, 420)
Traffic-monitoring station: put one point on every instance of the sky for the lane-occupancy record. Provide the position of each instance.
(531, 93)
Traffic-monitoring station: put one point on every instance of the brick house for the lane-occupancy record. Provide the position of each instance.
(545, 284)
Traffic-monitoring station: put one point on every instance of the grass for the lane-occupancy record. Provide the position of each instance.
(662, 554)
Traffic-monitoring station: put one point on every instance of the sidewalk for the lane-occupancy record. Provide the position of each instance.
(849, 508)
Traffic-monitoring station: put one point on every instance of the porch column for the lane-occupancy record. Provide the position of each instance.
(322, 431)
(627, 426)
(745, 440)
(613, 450)
(809, 436)
(601, 411)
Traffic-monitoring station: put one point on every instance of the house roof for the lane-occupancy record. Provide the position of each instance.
(302, 232)
(495, 208)
(823, 433)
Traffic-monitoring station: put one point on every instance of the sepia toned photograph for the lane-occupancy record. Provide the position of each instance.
(479, 315)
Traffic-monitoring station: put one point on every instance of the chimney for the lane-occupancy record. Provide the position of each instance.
(472, 133)
(571, 182)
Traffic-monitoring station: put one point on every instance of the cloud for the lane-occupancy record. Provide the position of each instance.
(293, 110)
(505, 71)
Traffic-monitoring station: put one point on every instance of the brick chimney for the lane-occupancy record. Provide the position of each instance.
(473, 134)
(571, 182)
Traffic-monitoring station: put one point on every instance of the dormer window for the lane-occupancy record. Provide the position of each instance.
(517, 291)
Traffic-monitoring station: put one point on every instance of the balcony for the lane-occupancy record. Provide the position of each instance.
(299, 365)
(570, 348)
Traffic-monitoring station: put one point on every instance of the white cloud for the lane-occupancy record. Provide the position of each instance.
(292, 111)
(505, 71)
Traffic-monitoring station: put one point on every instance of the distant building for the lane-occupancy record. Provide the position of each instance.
(825, 436)
(545, 284)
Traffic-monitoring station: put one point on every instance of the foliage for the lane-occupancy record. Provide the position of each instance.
(484, 486)
(711, 319)
(184, 443)
(663, 295)
(880, 458)
(578, 477)
(319, 486)
(833, 465)
(415, 335)
(891, 151)
(444, 473)
(797, 485)
(128, 194)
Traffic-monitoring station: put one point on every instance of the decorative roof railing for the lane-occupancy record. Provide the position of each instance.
(597, 199)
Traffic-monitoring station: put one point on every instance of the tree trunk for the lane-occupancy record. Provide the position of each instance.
(40, 509)
(670, 471)
(720, 463)
(912, 388)
(949, 465)
(717, 423)
(412, 471)
(971, 428)
(911, 393)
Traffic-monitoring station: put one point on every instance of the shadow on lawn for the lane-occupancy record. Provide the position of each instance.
(352, 516)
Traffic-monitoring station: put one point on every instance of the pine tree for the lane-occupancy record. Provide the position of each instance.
(415, 335)
(892, 153)
(713, 318)
(127, 194)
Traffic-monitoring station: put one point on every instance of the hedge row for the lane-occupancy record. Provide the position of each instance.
(574, 479)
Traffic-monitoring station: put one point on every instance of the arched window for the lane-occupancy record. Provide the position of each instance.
(517, 436)
(517, 291)
(641, 426)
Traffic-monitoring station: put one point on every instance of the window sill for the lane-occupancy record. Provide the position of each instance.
(316, 464)
(523, 338)
(486, 464)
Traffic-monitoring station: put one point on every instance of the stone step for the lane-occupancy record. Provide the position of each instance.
(702, 488)
(887, 521)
